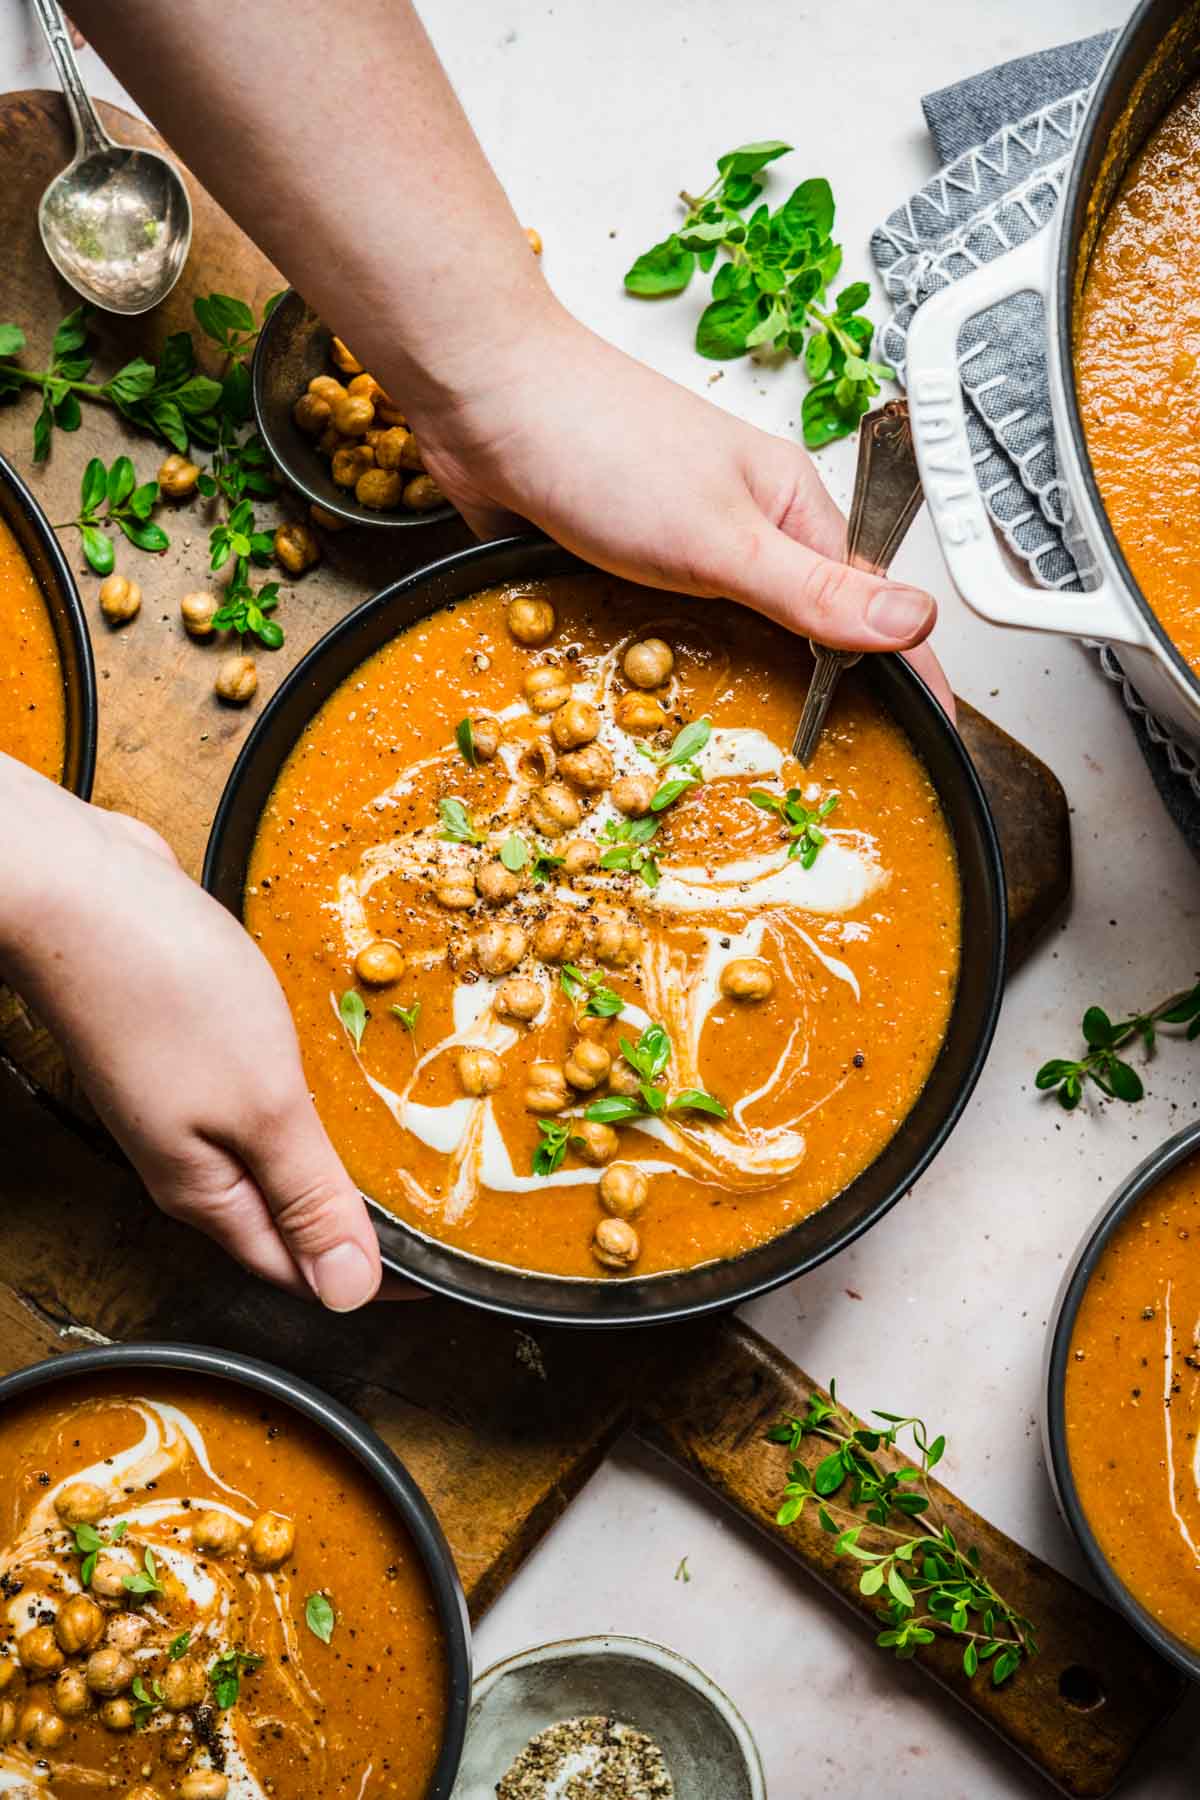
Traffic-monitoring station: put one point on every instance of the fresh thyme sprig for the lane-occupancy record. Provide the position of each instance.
(910, 1559)
(802, 822)
(770, 292)
(1110, 1073)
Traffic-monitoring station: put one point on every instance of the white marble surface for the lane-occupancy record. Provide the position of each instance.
(595, 115)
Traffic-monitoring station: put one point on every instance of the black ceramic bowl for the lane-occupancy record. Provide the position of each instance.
(293, 346)
(656, 1298)
(350, 1434)
(35, 536)
(1161, 1162)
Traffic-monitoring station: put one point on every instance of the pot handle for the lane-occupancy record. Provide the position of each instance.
(968, 540)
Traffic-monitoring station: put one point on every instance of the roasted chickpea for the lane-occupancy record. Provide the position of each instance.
(108, 1577)
(203, 1784)
(109, 1672)
(615, 939)
(380, 489)
(120, 599)
(531, 620)
(575, 724)
(296, 548)
(126, 1631)
(39, 1652)
(616, 1244)
(623, 1190)
(214, 1530)
(183, 1684)
(485, 735)
(411, 458)
(388, 413)
(272, 1540)
(389, 448)
(632, 795)
(500, 947)
(455, 891)
(8, 1673)
(587, 1065)
(554, 810)
(559, 937)
(343, 358)
(352, 414)
(81, 1503)
(71, 1695)
(379, 965)
(590, 768)
(596, 1143)
(312, 414)
(198, 610)
(327, 388)
(480, 1072)
(350, 463)
(546, 688)
(177, 477)
(648, 664)
(79, 1625)
(639, 714)
(328, 521)
(580, 856)
(41, 1727)
(422, 494)
(364, 385)
(518, 999)
(331, 441)
(143, 1791)
(496, 884)
(117, 1715)
(535, 239)
(747, 978)
(538, 762)
(237, 680)
(8, 1722)
(547, 1090)
(624, 1079)
(177, 1744)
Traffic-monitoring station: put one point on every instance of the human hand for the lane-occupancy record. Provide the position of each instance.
(649, 481)
(181, 1037)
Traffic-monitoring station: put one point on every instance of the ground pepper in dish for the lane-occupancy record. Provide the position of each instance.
(592, 1758)
(684, 954)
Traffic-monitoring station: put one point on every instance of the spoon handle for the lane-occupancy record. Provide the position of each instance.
(89, 132)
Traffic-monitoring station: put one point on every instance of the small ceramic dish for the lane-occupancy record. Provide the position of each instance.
(703, 1737)
(293, 346)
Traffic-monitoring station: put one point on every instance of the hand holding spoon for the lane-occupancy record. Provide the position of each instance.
(117, 223)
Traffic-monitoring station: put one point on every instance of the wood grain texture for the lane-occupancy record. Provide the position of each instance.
(710, 1418)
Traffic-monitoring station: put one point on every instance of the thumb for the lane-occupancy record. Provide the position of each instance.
(843, 607)
(317, 1209)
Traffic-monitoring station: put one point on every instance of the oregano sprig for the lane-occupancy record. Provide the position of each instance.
(112, 496)
(1101, 1064)
(886, 1519)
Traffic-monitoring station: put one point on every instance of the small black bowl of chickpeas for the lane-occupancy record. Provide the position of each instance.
(339, 438)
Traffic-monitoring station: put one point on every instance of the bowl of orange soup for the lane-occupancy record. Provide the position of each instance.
(47, 680)
(612, 1011)
(217, 1584)
(1122, 1419)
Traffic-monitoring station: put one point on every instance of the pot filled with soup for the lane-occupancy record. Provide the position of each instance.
(1118, 274)
(612, 1011)
(1122, 1418)
(47, 681)
(216, 1584)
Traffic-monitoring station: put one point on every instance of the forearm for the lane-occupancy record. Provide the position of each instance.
(334, 138)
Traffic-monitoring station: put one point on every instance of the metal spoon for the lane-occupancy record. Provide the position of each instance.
(887, 498)
(117, 223)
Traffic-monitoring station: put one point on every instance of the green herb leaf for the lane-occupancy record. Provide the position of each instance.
(353, 1013)
(179, 1646)
(464, 737)
(408, 1015)
(319, 1616)
(750, 158)
(98, 549)
(456, 823)
(145, 1581)
(514, 853)
(12, 340)
(121, 482)
(93, 488)
(696, 1100)
(724, 327)
(226, 1673)
(665, 269)
(151, 537)
(549, 1154)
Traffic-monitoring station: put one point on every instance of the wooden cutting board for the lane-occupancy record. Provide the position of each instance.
(502, 1427)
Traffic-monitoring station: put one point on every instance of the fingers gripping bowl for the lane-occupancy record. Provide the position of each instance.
(582, 938)
(214, 1584)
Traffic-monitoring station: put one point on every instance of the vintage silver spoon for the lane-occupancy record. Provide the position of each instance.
(117, 222)
(887, 498)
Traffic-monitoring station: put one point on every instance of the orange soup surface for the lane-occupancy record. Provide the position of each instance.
(1133, 1403)
(1137, 363)
(508, 975)
(32, 704)
(173, 1556)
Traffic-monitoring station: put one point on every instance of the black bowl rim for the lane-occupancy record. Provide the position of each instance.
(1132, 1191)
(354, 1436)
(80, 690)
(523, 1307)
(1113, 77)
(283, 456)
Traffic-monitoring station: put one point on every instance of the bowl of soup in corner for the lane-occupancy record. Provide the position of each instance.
(217, 1584)
(613, 1013)
(1122, 1415)
(47, 680)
